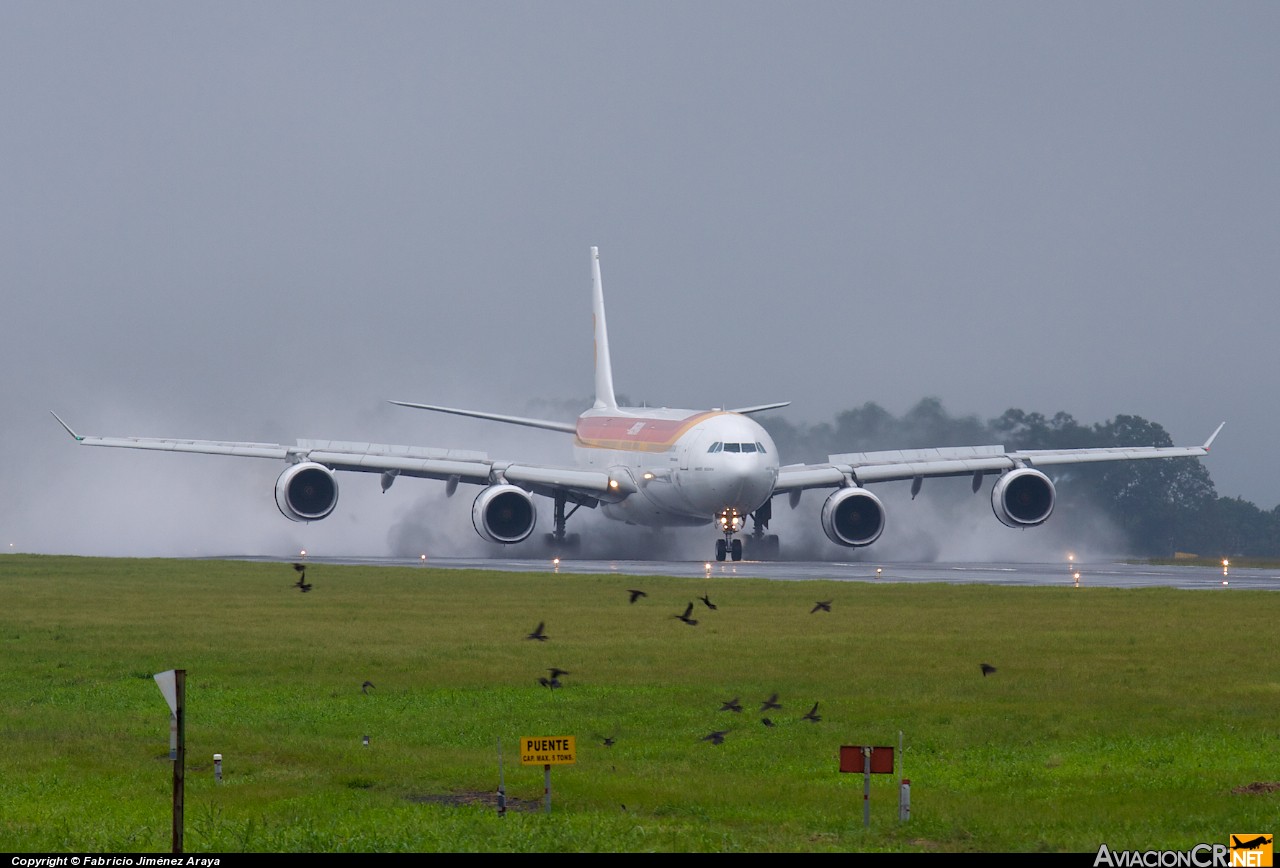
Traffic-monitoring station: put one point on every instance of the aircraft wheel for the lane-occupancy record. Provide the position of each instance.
(721, 549)
(737, 549)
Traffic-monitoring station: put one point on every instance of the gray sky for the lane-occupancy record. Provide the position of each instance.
(261, 220)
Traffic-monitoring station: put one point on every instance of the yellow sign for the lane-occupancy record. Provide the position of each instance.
(557, 750)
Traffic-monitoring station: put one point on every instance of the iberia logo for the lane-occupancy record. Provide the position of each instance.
(1251, 851)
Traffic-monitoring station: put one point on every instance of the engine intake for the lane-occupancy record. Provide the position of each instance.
(853, 517)
(1023, 498)
(306, 492)
(504, 514)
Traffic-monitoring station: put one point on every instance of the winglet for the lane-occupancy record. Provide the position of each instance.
(1209, 442)
(76, 436)
(604, 370)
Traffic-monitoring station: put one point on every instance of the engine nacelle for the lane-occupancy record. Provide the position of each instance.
(504, 514)
(306, 492)
(853, 517)
(1023, 498)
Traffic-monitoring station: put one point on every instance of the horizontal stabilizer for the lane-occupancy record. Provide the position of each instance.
(760, 408)
(565, 427)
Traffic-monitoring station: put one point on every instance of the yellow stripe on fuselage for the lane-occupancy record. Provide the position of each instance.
(635, 433)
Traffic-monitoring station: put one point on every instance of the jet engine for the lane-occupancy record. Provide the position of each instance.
(1023, 498)
(306, 492)
(853, 517)
(504, 514)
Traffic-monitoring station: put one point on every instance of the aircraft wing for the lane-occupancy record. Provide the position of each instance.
(976, 461)
(454, 465)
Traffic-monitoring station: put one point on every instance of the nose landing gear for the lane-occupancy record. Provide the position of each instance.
(730, 522)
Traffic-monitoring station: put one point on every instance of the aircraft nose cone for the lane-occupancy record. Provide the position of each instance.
(741, 484)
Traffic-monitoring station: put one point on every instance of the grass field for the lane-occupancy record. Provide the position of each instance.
(1142, 719)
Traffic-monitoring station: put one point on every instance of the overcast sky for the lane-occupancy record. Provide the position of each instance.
(260, 221)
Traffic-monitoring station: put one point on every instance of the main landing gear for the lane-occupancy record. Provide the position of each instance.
(558, 538)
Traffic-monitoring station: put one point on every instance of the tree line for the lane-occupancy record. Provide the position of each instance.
(1163, 506)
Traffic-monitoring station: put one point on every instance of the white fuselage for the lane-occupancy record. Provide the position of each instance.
(687, 466)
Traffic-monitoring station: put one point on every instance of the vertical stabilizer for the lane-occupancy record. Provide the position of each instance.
(604, 370)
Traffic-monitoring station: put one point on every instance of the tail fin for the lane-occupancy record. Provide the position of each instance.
(604, 370)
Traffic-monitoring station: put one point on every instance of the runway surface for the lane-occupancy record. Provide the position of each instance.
(1104, 575)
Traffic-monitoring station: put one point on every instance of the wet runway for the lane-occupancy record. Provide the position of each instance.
(1102, 574)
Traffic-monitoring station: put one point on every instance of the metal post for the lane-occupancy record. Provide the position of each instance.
(502, 785)
(546, 784)
(180, 760)
(866, 788)
(217, 767)
(904, 788)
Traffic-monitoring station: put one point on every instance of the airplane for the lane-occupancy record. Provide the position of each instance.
(658, 467)
(1251, 844)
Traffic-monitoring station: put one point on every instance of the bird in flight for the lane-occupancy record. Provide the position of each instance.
(301, 584)
(731, 705)
(538, 632)
(552, 683)
(607, 740)
(986, 668)
(364, 688)
(813, 714)
(766, 721)
(706, 599)
(635, 595)
(821, 606)
(716, 737)
(556, 672)
(692, 622)
(771, 702)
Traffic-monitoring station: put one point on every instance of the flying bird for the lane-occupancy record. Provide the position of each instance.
(303, 586)
(692, 622)
(364, 688)
(821, 606)
(607, 740)
(766, 721)
(771, 702)
(556, 672)
(302, 568)
(552, 683)
(538, 632)
(706, 599)
(813, 714)
(635, 595)
(731, 705)
(986, 668)
(716, 737)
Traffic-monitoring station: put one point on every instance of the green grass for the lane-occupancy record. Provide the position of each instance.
(1125, 717)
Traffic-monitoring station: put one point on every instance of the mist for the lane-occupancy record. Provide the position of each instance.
(261, 221)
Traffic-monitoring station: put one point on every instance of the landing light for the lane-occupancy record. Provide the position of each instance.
(613, 484)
